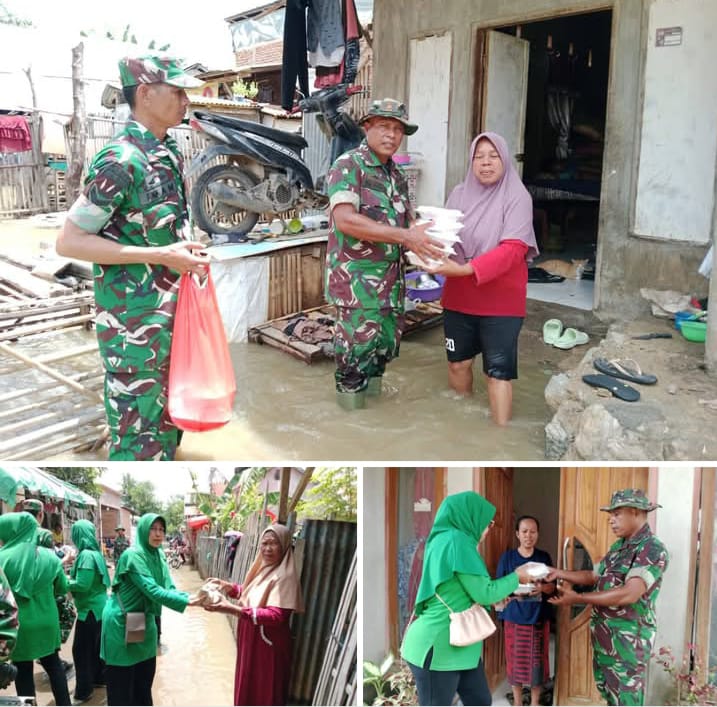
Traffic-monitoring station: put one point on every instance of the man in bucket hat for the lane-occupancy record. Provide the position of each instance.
(372, 224)
(627, 581)
(121, 543)
(132, 221)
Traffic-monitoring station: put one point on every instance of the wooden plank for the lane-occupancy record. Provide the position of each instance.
(16, 332)
(29, 284)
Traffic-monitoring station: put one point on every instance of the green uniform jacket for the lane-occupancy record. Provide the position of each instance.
(89, 592)
(431, 629)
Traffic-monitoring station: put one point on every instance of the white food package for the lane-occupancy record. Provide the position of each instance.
(524, 589)
(209, 593)
(537, 570)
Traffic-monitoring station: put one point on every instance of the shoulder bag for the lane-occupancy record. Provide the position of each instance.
(135, 624)
(470, 626)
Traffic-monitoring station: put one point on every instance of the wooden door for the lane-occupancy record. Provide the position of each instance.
(428, 107)
(496, 484)
(585, 536)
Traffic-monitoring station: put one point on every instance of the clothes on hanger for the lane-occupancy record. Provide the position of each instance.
(15, 134)
(294, 62)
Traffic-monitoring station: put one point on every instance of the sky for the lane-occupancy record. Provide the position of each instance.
(168, 482)
(199, 36)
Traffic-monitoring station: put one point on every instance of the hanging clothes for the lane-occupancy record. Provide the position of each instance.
(294, 62)
(14, 134)
(325, 33)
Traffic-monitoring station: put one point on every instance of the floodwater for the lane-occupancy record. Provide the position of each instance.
(195, 665)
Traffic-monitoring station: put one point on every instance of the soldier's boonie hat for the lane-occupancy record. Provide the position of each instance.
(155, 69)
(119, 527)
(390, 108)
(32, 505)
(632, 498)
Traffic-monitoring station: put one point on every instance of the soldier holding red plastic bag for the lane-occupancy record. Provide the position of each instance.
(131, 221)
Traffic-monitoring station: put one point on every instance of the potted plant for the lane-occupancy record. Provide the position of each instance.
(388, 683)
(245, 90)
(693, 683)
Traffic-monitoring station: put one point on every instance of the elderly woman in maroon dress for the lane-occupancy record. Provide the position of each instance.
(266, 599)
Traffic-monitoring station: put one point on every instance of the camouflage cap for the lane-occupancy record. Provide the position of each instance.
(390, 108)
(632, 498)
(32, 505)
(155, 69)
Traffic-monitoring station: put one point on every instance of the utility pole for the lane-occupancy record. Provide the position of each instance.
(78, 126)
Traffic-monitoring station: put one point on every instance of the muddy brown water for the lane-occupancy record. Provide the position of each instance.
(194, 667)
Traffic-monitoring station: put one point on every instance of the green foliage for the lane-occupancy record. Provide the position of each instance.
(388, 683)
(126, 36)
(173, 514)
(84, 477)
(332, 497)
(245, 89)
(692, 682)
(10, 18)
(139, 496)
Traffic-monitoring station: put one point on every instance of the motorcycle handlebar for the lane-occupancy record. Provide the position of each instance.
(333, 94)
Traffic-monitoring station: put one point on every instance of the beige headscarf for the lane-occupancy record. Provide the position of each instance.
(275, 585)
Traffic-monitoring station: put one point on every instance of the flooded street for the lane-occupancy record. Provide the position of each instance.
(195, 666)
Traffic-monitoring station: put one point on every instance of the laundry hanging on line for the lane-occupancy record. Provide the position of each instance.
(15, 134)
(325, 34)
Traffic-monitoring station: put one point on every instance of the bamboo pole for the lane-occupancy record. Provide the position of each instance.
(69, 443)
(284, 494)
(301, 487)
(51, 372)
(15, 411)
(41, 327)
(22, 392)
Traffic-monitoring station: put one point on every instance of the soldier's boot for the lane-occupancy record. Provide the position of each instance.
(351, 401)
(374, 385)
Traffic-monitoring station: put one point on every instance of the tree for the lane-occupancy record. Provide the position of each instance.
(126, 36)
(173, 514)
(333, 495)
(139, 496)
(84, 477)
(10, 18)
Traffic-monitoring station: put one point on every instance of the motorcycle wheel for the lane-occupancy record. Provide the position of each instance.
(213, 216)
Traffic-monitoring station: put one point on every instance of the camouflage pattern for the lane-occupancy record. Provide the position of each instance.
(622, 636)
(136, 407)
(363, 274)
(8, 619)
(364, 342)
(33, 505)
(390, 108)
(630, 498)
(135, 195)
(121, 543)
(68, 613)
(155, 69)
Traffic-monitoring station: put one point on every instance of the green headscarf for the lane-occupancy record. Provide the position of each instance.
(27, 566)
(89, 555)
(142, 558)
(452, 545)
(44, 538)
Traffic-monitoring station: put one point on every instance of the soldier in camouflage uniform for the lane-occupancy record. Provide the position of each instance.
(132, 221)
(627, 581)
(8, 631)
(371, 225)
(120, 544)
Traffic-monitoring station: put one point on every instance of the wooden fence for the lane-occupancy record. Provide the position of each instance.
(23, 184)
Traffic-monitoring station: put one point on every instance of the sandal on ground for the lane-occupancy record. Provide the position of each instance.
(570, 338)
(620, 390)
(626, 368)
(552, 329)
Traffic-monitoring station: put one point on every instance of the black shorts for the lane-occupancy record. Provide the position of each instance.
(496, 338)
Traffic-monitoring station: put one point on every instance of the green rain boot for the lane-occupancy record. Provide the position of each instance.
(351, 401)
(374, 385)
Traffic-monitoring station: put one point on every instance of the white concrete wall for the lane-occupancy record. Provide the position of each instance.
(676, 181)
(375, 583)
(458, 480)
(672, 526)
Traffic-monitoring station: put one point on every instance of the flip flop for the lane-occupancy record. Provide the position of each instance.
(618, 389)
(626, 368)
(552, 329)
(570, 338)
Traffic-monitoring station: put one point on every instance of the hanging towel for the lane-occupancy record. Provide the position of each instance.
(325, 33)
(14, 134)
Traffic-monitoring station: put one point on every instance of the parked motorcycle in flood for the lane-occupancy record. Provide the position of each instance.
(262, 171)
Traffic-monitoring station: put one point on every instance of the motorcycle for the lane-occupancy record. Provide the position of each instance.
(262, 170)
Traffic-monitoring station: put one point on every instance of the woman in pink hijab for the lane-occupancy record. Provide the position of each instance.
(484, 297)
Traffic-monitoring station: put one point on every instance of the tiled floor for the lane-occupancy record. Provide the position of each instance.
(572, 293)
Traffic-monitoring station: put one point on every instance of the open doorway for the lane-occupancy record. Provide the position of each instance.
(544, 87)
(515, 493)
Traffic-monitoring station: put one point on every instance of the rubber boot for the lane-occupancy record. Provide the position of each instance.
(351, 401)
(374, 385)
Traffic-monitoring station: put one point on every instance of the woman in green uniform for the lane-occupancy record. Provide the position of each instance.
(454, 571)
(89, 581)
(36, 578)
(141, 584)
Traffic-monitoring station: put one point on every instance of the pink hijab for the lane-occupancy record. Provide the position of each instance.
(494, 213)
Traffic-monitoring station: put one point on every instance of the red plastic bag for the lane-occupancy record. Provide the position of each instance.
(201, 377)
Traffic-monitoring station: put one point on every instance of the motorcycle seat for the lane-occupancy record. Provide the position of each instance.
(247, 126)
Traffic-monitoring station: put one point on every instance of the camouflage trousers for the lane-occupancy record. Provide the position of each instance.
(136, 407)
(365, 340)
(621, 652)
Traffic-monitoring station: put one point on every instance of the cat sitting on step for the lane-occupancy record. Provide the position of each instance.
(572, 270)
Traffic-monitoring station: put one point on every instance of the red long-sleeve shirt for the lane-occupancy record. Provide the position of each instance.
(498, 286)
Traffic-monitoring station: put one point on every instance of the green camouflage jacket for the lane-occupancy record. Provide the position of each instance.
(135, 195)
(8, 619)
(363, 274)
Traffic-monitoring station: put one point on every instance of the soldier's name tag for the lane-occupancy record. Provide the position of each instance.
(157, 186)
